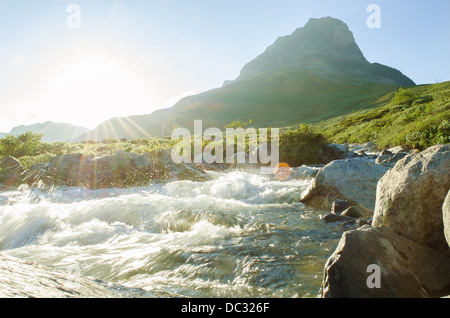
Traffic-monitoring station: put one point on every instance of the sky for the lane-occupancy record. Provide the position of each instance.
(83, 62)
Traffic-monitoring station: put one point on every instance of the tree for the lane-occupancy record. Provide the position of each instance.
(27, 144)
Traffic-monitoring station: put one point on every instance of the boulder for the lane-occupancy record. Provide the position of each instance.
(38, 171)
(354, 180)
(446, 217)
(389, 160)
(71, 169)
(397, 149)
(182, 171)
(143, 162)
(11, 165)
(410, 197)
(11, 171)
(123, 160)
(342, 148)
(368, 147)
(406, 269)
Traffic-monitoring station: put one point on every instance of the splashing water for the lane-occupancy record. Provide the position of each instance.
(238, 234)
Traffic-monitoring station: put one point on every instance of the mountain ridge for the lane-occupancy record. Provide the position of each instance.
(314, 74)
(52, 131)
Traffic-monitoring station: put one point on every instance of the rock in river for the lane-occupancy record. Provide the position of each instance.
(351, 179)
(410, 197)
(402, 268)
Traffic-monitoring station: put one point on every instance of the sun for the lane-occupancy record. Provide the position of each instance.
(95, 87)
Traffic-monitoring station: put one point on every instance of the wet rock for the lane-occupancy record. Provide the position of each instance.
(353, 212)
(411, 194)
(406, 269)
(389, 160)
(361, 153)
(340, 206)
(397, 149)
(305, 172)
(366, 147)
(332, 218)
(352, 179)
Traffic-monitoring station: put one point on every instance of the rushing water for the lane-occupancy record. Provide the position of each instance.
(239, 234)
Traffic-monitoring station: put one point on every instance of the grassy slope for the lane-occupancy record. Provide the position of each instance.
(281, 99)
(419, 125)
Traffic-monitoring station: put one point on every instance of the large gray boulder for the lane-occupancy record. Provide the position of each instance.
(410, 197)
(70, 168)
(446, 217)
(351, 179)
(406, 269)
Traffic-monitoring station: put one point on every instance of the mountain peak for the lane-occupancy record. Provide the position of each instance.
(325, 40)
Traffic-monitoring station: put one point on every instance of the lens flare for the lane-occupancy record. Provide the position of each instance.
(282, 171)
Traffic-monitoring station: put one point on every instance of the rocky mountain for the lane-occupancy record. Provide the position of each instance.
(316, 73)
(52, 131)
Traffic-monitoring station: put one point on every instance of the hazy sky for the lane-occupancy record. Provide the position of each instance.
(135, 56)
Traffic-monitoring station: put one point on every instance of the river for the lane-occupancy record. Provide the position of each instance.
(237, 234)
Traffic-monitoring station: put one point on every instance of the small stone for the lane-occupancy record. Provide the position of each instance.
(352, 212)
(331, 218)
(339, 206)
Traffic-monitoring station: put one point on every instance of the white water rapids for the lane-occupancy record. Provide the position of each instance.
(239, 234)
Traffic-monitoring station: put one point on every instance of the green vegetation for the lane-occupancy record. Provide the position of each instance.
(417, 117)
(29, 148)
(27, 144)
(305, 145)
(239, 124)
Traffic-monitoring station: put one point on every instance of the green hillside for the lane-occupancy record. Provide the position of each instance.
(417, 117)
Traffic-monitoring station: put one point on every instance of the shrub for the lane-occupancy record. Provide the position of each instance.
(305, 145)
(403, 97)
(423, 100)
(27, 144)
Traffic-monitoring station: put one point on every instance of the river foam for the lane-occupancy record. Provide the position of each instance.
(238, 234)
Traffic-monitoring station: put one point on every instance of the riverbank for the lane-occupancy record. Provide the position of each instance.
(240, 233)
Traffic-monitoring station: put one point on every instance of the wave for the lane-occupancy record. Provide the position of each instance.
(218, 236)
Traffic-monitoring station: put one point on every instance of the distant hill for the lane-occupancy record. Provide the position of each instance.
(316, 73)
(52, 131)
